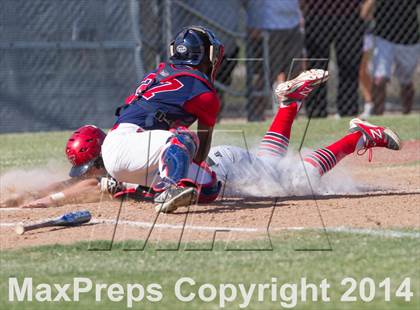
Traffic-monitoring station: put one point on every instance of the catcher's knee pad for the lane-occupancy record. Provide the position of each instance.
(177, 156)
(188, 138)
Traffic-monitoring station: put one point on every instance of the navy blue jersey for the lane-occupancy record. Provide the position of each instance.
(170, 97)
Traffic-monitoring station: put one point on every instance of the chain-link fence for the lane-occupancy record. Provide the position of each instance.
(64, 63)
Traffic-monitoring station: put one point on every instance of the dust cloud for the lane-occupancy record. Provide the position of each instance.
(19, 181)
(289, 176)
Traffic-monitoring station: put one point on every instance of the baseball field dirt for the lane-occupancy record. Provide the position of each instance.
(388, 199)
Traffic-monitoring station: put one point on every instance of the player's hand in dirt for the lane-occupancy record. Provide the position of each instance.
(45, 202)
(12, 202)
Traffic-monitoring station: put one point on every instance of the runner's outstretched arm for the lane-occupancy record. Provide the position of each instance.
(86, 190)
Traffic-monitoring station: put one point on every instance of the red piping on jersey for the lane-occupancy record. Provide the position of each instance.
(192, 75)
(205, 81)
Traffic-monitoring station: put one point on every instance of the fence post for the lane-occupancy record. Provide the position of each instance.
(167, 25)
(266, 65)
(135, 28)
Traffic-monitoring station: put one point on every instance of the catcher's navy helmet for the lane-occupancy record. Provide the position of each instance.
(194, 45)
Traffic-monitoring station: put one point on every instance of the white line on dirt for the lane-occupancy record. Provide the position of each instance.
(171, 226)
(361, 231)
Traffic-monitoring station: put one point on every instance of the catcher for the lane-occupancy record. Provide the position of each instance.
(150, 144)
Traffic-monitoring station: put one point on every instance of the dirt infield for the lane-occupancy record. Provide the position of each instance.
(390, 200)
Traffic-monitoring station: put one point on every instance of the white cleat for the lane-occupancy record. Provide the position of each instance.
(300, 87)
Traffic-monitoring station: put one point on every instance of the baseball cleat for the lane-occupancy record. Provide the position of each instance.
(300, 87)
(175, 197)
(375, 136)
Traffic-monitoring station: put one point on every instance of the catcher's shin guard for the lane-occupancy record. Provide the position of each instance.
(176, 156)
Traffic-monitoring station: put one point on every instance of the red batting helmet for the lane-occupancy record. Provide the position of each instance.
(84, 148)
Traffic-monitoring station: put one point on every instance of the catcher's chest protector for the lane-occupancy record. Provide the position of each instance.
(159, 99)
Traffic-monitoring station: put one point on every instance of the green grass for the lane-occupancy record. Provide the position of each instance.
(352, 256)
(356, 256)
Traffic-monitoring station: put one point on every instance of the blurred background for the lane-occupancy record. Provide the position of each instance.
(65, 63)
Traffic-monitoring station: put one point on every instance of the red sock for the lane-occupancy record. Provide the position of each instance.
(324, 159)
(276, 140)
